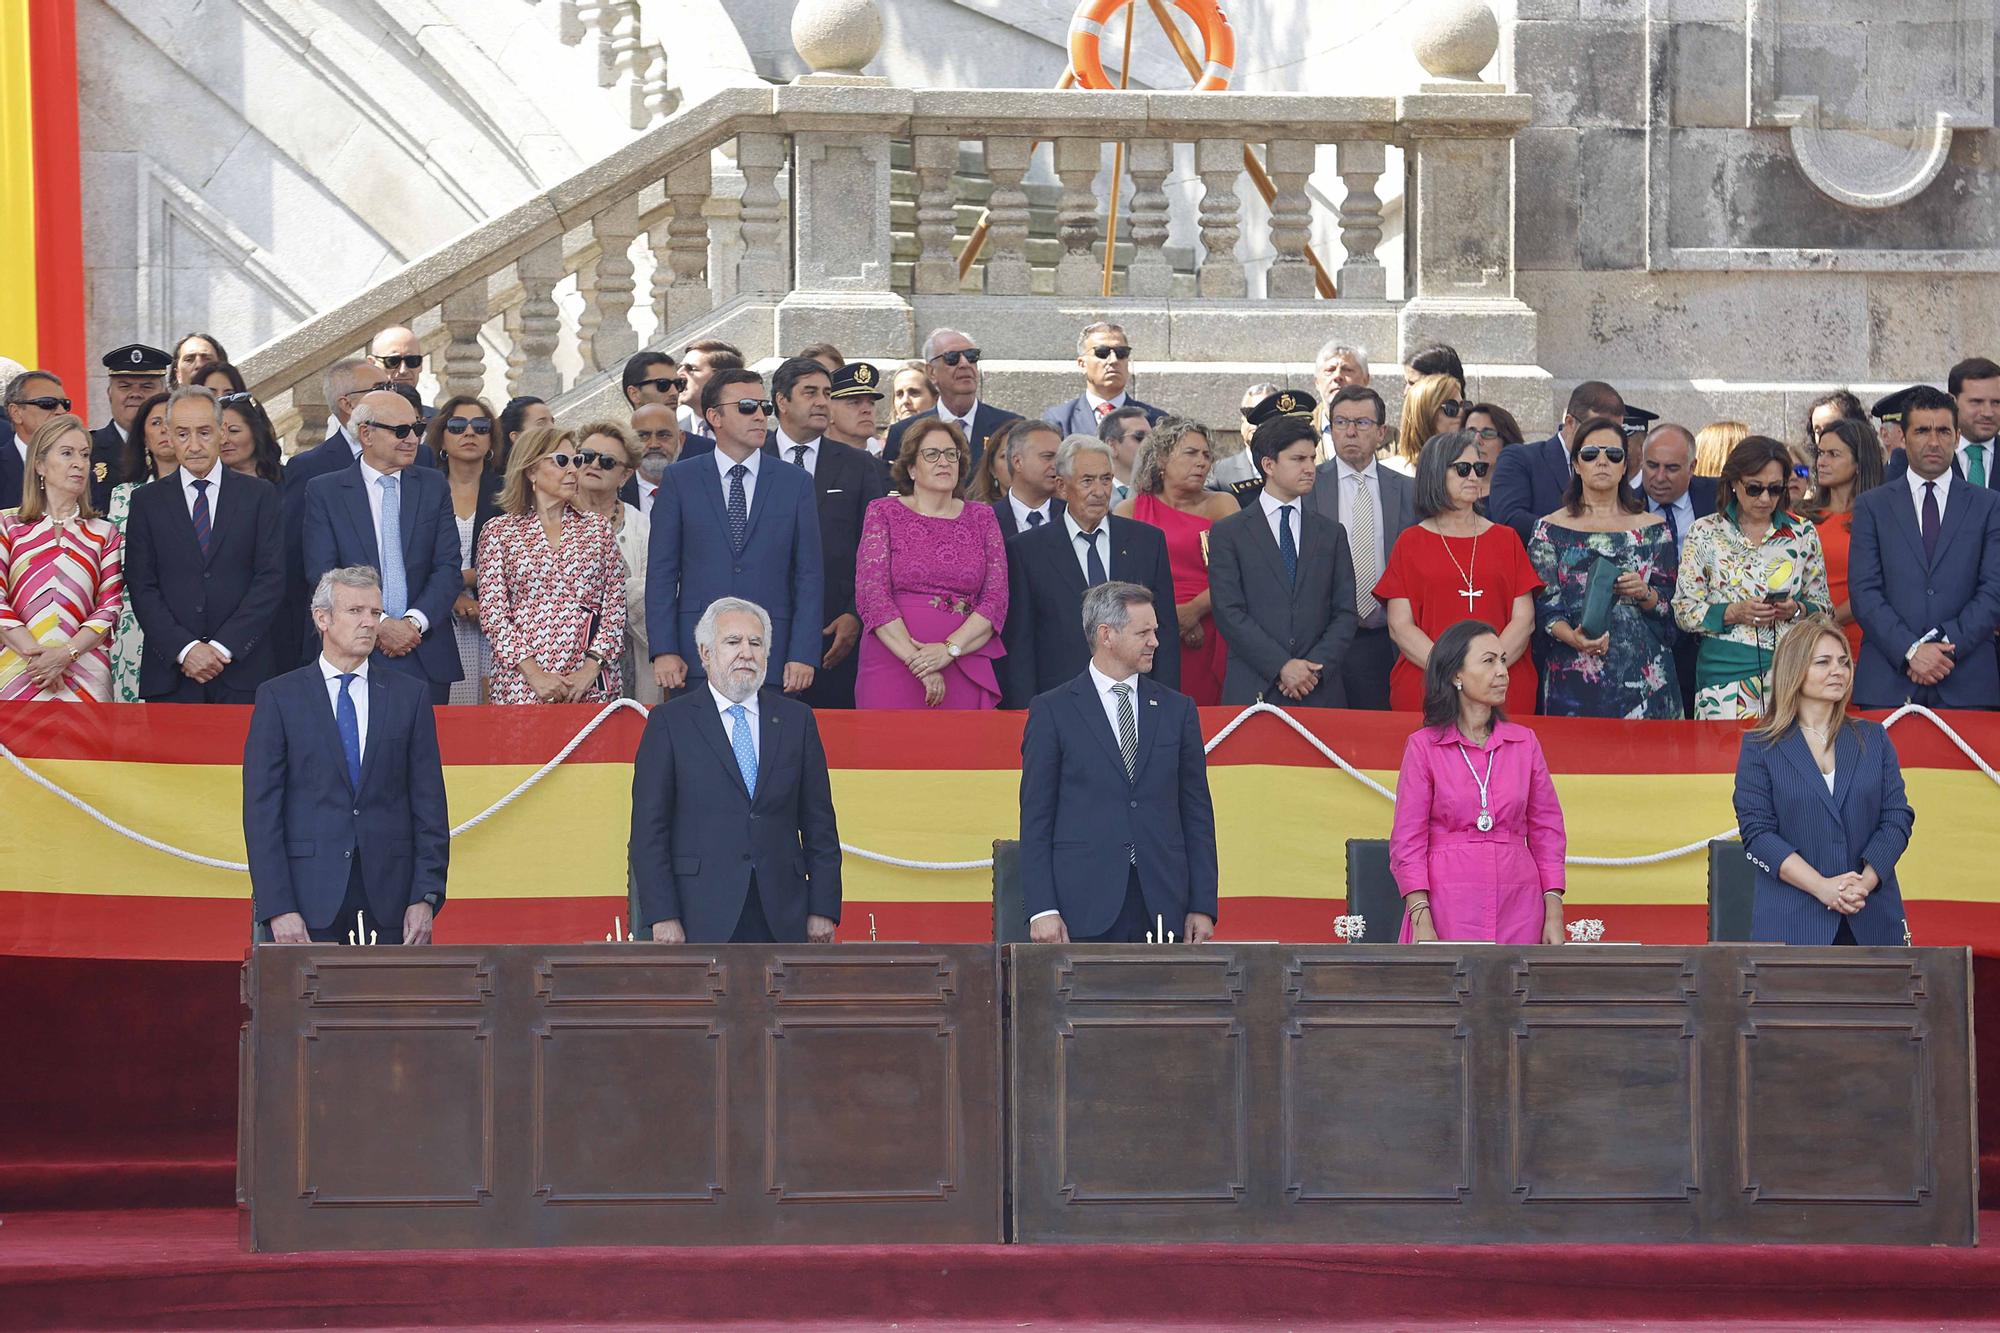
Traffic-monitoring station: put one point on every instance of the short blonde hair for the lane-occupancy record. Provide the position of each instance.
(1420, 406)
(1713, 443)
(34, 492)
(530, 448)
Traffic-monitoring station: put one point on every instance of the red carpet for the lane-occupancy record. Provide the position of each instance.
(182, 1269)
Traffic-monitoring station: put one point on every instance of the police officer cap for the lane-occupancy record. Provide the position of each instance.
(1638, 420)
(137, 359)
(1893, 406)
(856, 379)
(1283, 403)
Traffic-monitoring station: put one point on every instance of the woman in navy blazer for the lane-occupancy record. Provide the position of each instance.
(1819, 800)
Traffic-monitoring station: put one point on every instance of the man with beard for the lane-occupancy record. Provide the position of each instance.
(658, 431)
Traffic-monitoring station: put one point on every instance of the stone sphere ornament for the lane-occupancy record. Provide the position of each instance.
(1456, 39)
(837, 36)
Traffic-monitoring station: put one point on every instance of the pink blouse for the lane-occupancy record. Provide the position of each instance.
(1484, 886)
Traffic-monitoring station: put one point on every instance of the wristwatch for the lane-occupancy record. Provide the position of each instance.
(593, 657)
(952, 649)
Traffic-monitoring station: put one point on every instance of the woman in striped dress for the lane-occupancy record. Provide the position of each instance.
(61, 576)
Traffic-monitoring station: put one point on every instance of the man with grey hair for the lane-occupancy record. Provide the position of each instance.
(1049, 568)
(347, 825)
(33, 396)
(1113, 774)
(1105, 358)
(953, 362)
(1032, 481)
(204, 568)
(345, 382)
(1124, 432)
(1339, 366)
(733, 839)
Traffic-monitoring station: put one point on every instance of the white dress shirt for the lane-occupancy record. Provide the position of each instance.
(723, 462)
(371, 483)
(1102, 684)
(1079, 550)
(786, 444)
(647, 490)
(21, 447)
(1021, 511)
(1917, 495)
(333, 429)
(1097, 405)
(214, 480)
(1683, 512)
(1350, 490)
(358, 692)
(723, 703)
(1988, 451)
(964, 422)
(1272, 504)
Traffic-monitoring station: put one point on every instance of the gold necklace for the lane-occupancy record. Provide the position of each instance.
(1468, 592)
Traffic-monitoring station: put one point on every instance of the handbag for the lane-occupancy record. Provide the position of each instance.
(1599, 588)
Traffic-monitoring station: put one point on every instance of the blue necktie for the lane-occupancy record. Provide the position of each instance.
(739, 507)
(745, 745)
(202, 530)
(395, 585)
(1287, 547)
(349, 722)
(1093, 567)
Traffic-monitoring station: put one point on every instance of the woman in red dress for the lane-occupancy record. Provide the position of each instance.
(1455, 564)
(1169, 481)
(1847, 462)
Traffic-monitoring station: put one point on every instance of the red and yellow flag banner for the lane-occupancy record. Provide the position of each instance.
(41, 197)
(920, 787)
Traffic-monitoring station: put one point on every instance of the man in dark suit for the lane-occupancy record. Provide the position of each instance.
(735, 523)
(1666, 479)
(1030, 500)
(954, 367)
(344, 811)
(1924, 574)
(1283, 596)
(1050, 568)
(33, 396)
(1105, 358)
(136, 372)
(1975, 389)
(1530, 479)
(385, 514)
(733, 832)
(1117, 829)
(1373, 505)
(851, 411)
(845, 482)
(204, 568)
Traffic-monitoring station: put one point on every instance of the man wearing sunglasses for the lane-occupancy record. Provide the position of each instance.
(396, 352)
(954, 366)
(650, 377)
(735, 522)
(397, 519)
(1530, 480)
(1105, 358)
(33, 396)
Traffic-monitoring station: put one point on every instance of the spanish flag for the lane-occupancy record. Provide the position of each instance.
(934, 789)
(41, 201)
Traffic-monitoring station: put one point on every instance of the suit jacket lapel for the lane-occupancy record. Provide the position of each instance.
(761, 498)
(1311, 537)
(1067, 552)
(321, 710)
(412, 508)
(1903, 514)
(1262, 538)
(1147, 718)
(1953, 521)
(1846, 758)
(709, 723)
(1796, 749)
(770, 735)
(378, 729)
(354, 491)
(1084, 692)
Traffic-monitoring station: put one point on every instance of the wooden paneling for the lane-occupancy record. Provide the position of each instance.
(636, 1094)
(1732, 1093)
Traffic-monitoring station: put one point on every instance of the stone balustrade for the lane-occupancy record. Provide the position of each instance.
(762, 214)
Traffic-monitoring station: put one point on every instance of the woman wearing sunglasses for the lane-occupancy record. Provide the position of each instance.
(551, 582)
(1434, 405)
(608, 460)
(1748, 572)
(1603, 532)
(1454, 564)
(463, 440)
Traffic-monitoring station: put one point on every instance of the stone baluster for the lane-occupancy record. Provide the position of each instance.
(1007, 272)
(652, 97)
(760, 157)
(688, 187)
(464, 313)
(935, 157)
(1361, 163)
(588, 317)
(309, 401)
(1077, 272)
(539, 270)
(575, 19)
(614, 338)
(1218, 162)
(604, 38)
(1149, 161)
(627, 56)
(1289, 163)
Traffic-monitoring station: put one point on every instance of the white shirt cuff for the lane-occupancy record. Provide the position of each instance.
(419, 619)
(1039, 915)
(190, 648)
(227, 656)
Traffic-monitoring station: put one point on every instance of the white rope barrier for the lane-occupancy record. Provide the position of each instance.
(604, 714)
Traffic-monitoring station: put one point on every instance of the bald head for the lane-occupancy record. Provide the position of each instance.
(1669, 463)
(659, 437)
(396, 351)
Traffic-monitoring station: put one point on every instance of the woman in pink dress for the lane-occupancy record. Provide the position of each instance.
(1478, 843)
(1169, 491)
(930, 583)
(61, 575)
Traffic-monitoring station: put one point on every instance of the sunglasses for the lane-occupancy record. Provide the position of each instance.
(596, 458)
(1591, 452)
(1801, 471)
(953, 358)
(751, 407)
(1470, 469)
(1105, 353)
(563, 461)
(677, 384)
(1487, 433)
(400, 362)
(1757, 490)
(46, 404)
(1454, 408)
(460, 425)
(402, 432)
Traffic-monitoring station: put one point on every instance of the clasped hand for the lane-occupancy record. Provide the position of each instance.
(1845, 894)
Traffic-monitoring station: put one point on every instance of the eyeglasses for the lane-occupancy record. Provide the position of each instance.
(953, 358)
(231, 399)
(1101, 353)
(385, 386)
(1487, 433)
(1801, 471)
(937, 455)
(1590, 452)
(1349, 425)
(1757, 490)
(597, 458)
(399, 362)
(402, 432)
(677, 383)
(47, 404)
(1454, 408)
(460, 425)
(751, 407)
(563, 461)
(1470, 469)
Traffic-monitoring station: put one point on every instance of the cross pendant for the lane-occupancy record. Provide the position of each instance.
(1471, 595)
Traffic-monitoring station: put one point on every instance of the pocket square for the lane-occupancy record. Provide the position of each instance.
(833, 490)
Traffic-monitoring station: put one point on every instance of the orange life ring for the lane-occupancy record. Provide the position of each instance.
(1086, 42)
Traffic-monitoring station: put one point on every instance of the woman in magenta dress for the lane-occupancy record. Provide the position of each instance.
(1454, 549)
(1169, 491)
(1478, 843)
(61, 575)
(930, 583)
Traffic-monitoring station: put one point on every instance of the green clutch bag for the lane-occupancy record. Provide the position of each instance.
(1598, 590)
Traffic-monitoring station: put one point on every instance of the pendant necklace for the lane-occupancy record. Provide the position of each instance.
(1468, 592)
(1485, 820)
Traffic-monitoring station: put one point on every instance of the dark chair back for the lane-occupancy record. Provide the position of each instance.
(1010, 908)
(1371, 890)
(1732, 886)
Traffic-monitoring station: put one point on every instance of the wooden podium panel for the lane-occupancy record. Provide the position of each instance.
(620, 1094)
(1455, 1093)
